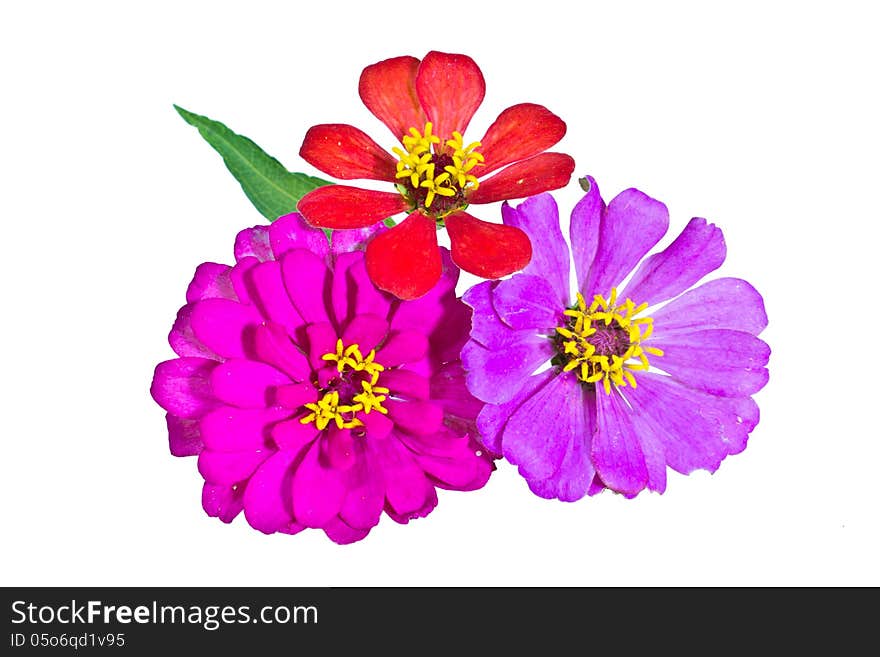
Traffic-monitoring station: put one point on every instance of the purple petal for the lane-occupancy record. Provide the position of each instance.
(184, 437)
(632, 223)
(697, 430)
(697, 251)
(493, 418)
(183, 386)
(292, 232)
(653, 450)
(366, 331)
(246, 383)
(307, 280)
(269, 294)
(266, 498)
(539, 432)
(616, 451)
(584, 232)
(495, 375)
(573, 477)
(231, 429)
(227, 468)
(538, 217)
(487, 327)
(717, 361)
(528, 302)
(366, 492)
(223, 502)
(211, 281)
(725, 303)
(182, 339)
(222, 325)
(318, 491)
(254, 243)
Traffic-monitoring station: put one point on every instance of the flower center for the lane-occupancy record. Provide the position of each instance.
(435, 178)
(602, 342)
(352, 392)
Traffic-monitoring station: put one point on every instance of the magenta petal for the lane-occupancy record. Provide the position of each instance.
(222, 501)
(343, 534)
(538, 433)
(528, 302)
(366, 492)
(632, 223)
(495, 375)
(211, 281)
(539, 218)
(616, 452)
(402, 347)
(717, 361)
(222, 325)
(456, 465)
(254, 243)
(230, 467)
(292, 435)
(318, 491)
(342, 293)
(460, 407)
(270, 296)
(586, 219)
(183, 386)
(338, 448)
(725, 303)
(307, 280)
(184, 437)
(231, 429)
(367, 299)
(425, 314)
(295, 395)
(322, 340)
(241, 280)
(366, 331)
(291, 231)
(419, 417)
(404, 383)
(376, 425)
(273, 346)
(246, 383)
(696, 429)
(407, 491)
(697, 251)
(493, 418)
(267, 490)
(182, 339)
(356, 239)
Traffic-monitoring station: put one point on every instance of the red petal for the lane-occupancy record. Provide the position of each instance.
(525, 178)
(388, 89)
(339, 206)
(519, 132)
(487, 250)
(343, 151)
(405, 261)
(451, 88)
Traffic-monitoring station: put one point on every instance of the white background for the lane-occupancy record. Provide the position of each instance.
(761, 117)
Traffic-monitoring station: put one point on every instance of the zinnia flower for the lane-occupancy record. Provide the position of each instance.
(602, 415)
(311, 398)
(427, 105)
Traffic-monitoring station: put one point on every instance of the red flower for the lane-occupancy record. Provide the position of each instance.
(428, 104)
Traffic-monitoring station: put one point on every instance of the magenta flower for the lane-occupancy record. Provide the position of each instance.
(602, 415)
(311, 398)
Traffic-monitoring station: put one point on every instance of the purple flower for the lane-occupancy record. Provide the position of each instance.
(602, 415)
(311, 398)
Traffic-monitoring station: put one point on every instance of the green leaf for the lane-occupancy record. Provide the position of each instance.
(272, 189)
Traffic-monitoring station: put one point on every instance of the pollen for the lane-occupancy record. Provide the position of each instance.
(601, 343)
(352, 393)
(435, 176)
